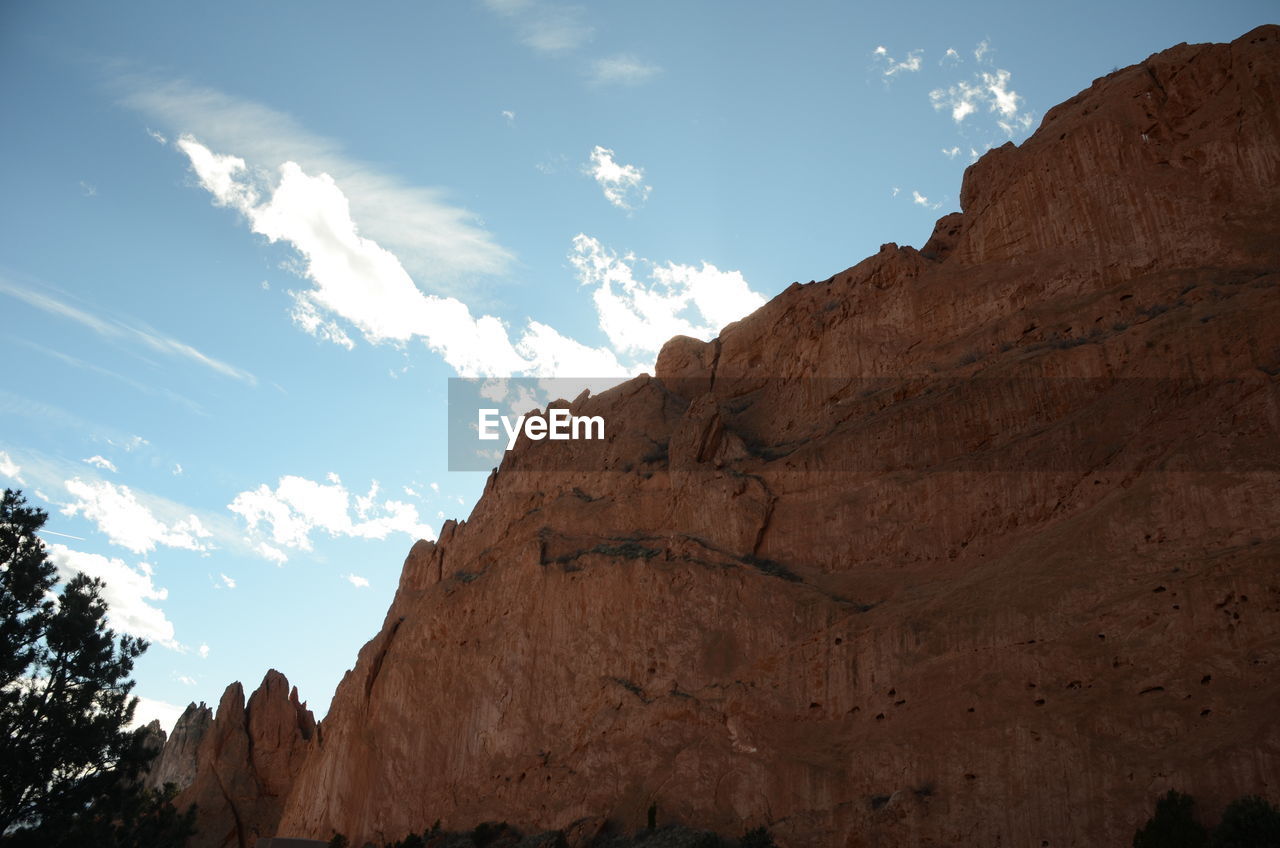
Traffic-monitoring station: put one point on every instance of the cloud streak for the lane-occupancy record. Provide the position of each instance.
(119, 330)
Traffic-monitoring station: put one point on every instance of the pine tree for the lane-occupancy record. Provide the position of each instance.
(68, 763)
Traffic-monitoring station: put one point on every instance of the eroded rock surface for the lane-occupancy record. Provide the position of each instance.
(816, 580)
(247, 760)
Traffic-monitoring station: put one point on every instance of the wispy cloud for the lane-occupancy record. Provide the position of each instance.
(920, 200)
(623, 69)
(10, 469)
(892, 67)
(546, 27)
(444, 244)
(623, 185)
(74, 362)
(638, 316)
(989, 90)
(120, 330)
(357, 581)
(100, 462)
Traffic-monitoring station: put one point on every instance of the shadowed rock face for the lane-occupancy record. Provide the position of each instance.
(247, 760)
(177, 763)
(975, 544)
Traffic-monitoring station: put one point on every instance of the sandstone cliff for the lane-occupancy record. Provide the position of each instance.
(974, 544)
(177, 761)
(247, 759)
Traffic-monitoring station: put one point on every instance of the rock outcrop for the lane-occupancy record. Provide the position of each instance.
(974, 544)
(247, 759)
(177, 761)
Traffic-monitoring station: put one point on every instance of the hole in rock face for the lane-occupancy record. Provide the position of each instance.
(1206, 679)
(1205, 712)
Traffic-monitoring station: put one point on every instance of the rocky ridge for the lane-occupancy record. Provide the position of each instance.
(820, 582)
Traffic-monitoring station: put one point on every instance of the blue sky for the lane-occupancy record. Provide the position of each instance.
(246, 244)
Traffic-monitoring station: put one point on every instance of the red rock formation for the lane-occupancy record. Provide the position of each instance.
(177, 762)
(247, 761)
(867, 568)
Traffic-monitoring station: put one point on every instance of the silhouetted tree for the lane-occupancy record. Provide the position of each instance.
(1248, 822)
(69, 767)
(1173, 825)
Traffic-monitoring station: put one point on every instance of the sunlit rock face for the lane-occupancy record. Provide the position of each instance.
(974, 544)
(176, 762)
(247, 760)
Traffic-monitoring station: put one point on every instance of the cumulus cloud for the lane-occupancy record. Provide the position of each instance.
(10, 469)
(623, 69)
(100, 462)
(130, 593)
(357, 581)
(623, 185)
(129, 523)
(296, 507)
(891, 66)
(639, 316)
(360, 282)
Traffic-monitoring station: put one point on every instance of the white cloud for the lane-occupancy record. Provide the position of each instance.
(130, 444)
(228, 582)
(298, 506)
(623, 185)
(203, 651)
(411, 492)
(510, 116)
(891, 66)
(546, 27)
(623, 69)
(989, 89)
(88, 189)
(129, 523)
(983, 48)
(359, 281)
(920, 200)
(638, 317)
(951, 152)
(10, 469)
(157, 137)
(357, 581)
(435, 487)
(150, 709)
(441, 242)
(556, 29)
(950, 56)
(100, 462)
(111, 328)
(129, 593)
(186, 681)
(177, 469)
